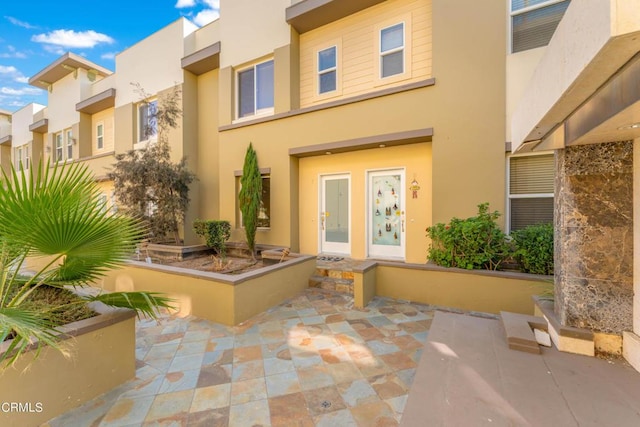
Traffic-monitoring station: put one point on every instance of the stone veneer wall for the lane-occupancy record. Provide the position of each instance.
(594, 236)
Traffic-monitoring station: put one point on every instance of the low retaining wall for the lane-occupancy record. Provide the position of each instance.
(102, 357)
(475, 290)
(222, 298)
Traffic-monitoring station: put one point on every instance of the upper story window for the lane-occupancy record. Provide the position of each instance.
(63, 143)
(533, 22)
(147, 120)
(255, 90)
(531, 186)
(100, 136)
(69, 141)
(328, 70)
(22, 158)
(392, 44)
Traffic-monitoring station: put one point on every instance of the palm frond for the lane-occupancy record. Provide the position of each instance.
(25, 328)
(145, 303)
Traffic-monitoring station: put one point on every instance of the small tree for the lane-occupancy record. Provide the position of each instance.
(147, 184)
(250, 195)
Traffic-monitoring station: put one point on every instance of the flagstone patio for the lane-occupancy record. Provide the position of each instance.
(313, 360)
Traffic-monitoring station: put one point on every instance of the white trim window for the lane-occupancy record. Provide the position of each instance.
(100, 136)
(530, 190)
(147, 120)
(58, 151)
(533, 22)
(27, 157)
(328, 70)
(255, 92)
(69, 142)
(18, 163)
(392, 47)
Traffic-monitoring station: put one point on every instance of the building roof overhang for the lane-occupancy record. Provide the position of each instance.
(5, 140)
(98, 102)
(63, 66)
(586, 88)
(204, 60)
(308, 15)
(365, 143)
(41, 126)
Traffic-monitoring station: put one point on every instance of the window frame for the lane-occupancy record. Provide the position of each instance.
(510, 196)
(100, 136)
(391, 51)
(256, 112)
(58, 147)
(522, 11)
(69, 141)
(17, 158)
(321, 72)
(150, 137)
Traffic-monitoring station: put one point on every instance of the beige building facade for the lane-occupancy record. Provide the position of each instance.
(371, 121)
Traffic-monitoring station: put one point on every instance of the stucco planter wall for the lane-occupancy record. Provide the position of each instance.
(102, 353)
(222, 298)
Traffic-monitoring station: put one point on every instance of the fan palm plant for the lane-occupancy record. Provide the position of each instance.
(54, 215)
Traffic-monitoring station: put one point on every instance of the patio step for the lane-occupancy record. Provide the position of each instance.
(332, 283)
(519, 331)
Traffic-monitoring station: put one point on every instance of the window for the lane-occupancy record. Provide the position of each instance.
(100, 136)
(18, 159)
(327, 70)
(69, 140)
(264, 214)
(255, 90)
(27, 157)
(392, 50)
(533, 22)
(147, 120)
(102, 203)
(58, 154)
(531, 181)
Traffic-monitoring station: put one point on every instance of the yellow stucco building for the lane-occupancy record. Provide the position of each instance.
(372, 119)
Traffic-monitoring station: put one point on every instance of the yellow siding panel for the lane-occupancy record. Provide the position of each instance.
(357, 35)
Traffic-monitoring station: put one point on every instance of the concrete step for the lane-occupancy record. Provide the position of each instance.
(334, 273)
(519, 328)
(332, 283)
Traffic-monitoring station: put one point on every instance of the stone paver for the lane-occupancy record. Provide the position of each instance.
(312, 360)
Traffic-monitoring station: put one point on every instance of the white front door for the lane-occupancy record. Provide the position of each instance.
(335, 215)
(385, 214)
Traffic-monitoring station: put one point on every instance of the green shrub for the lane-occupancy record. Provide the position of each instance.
(472, 243)
(215, 234)
(534, 248)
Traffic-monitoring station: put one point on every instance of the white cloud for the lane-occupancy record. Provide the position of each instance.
(8, 69)
(213, 4)
(108, 55)
(185, 3)
(13, 53)
(13, 73)
(19, 23)
(20, 92)
(72, 39)
(56, 50)
(206, 16)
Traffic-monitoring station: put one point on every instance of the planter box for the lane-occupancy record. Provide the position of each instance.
(223, 298)
(102, 357)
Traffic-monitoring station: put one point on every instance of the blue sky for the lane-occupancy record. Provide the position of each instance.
(35, 33)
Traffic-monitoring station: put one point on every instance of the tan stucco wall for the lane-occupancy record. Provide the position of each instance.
(243, 27)
(395, 113)
(476, 291)
(101, 360)
(358, 51)
(208, 156)
(416, 158)
(211, 297)
(468, 106)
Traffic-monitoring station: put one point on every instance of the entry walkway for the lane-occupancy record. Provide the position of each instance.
(467, 376)
(313, 360)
